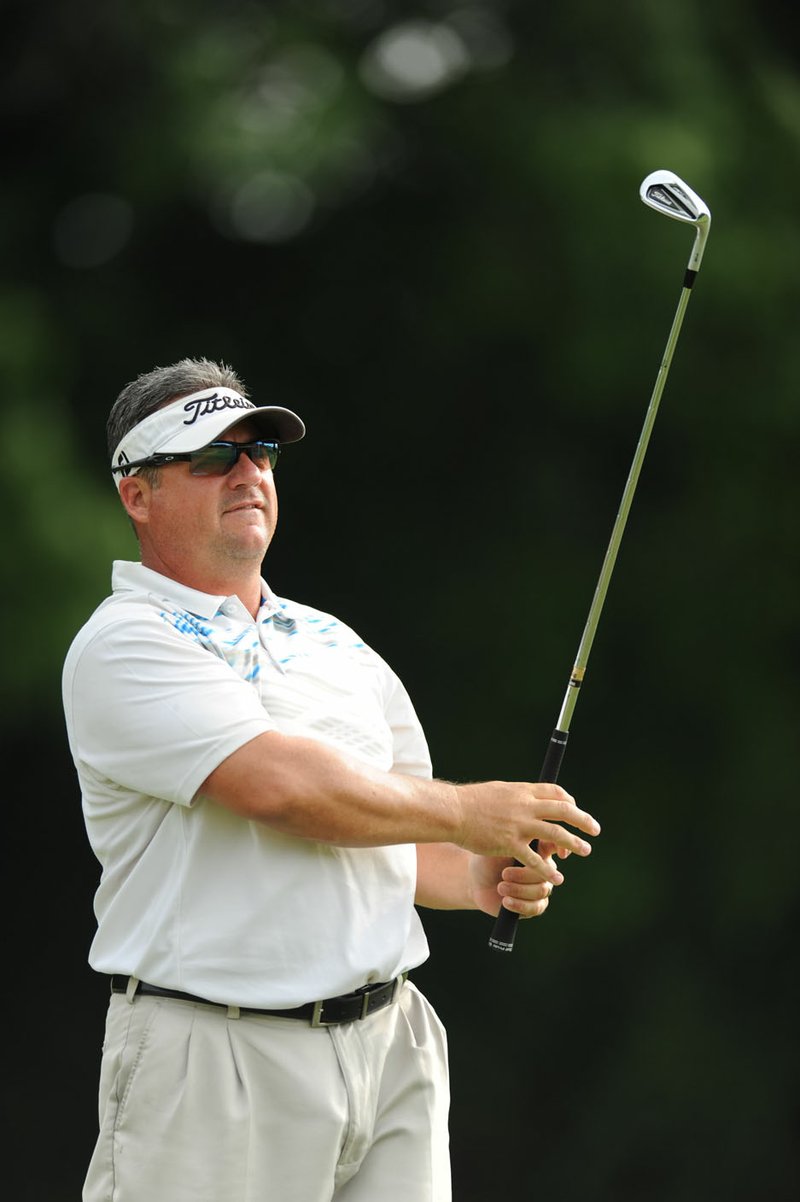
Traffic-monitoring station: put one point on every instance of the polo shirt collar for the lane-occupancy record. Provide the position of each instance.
(127, 576)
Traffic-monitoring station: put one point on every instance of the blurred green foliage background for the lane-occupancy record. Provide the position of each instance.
(419, 225)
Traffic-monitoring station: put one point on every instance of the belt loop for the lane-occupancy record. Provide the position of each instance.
(233, 1012)
(133, 985)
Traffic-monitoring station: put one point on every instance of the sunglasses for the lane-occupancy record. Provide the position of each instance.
(216, 459)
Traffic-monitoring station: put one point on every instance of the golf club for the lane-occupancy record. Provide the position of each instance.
(666, 193)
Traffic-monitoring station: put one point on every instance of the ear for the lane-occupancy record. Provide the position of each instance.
(135, 496)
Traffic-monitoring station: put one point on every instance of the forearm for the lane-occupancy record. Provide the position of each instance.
(304, 788)
(443, 877)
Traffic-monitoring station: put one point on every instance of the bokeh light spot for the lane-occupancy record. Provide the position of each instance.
(413, 60)
(271, 206)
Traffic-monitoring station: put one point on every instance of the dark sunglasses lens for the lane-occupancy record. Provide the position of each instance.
(214, 460)
(218, 458)
(264, 452)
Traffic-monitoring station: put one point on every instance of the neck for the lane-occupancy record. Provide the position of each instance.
(244, 583)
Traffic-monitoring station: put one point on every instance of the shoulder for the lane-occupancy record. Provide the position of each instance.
(318, 624)
(120, 626)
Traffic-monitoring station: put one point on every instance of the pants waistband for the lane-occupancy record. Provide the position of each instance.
(346, 1008)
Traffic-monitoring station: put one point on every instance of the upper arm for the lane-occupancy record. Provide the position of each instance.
(262, 778)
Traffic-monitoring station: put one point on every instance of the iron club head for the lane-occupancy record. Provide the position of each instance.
(666, 192)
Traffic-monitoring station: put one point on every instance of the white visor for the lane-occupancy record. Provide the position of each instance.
(193, 421)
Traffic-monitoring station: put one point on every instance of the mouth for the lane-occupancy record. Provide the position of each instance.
(245, 506)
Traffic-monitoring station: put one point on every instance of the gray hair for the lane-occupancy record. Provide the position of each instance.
(155, 388)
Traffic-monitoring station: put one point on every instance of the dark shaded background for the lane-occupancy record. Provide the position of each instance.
(419, 225)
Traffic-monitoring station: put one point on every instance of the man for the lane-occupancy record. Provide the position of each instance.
(257, 789)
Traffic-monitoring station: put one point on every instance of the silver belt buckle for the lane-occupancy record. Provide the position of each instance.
(316, 1017)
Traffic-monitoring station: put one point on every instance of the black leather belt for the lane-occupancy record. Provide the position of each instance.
(327, 1013)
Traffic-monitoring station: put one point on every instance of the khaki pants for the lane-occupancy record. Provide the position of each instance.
(199, 1106)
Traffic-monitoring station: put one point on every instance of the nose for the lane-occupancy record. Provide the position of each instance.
(244, 470)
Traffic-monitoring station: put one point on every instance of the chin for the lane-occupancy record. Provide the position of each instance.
(252, 549)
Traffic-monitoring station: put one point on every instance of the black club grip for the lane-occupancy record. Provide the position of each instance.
(505, 925)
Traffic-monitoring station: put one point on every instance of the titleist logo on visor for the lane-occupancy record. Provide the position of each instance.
(202, 406)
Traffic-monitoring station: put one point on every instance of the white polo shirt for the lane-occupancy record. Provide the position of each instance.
(160, 685)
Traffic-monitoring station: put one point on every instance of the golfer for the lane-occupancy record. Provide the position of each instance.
(258, 792)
